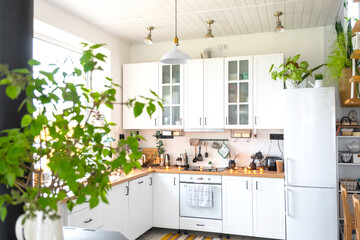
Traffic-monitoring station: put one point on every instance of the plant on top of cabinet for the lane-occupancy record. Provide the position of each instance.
(319, 76)
(292, 72)
(63, 133)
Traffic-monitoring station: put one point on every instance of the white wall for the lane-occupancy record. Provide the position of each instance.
(308, 42)
(120, 50)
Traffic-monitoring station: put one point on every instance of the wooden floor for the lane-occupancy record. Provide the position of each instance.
(157, 233)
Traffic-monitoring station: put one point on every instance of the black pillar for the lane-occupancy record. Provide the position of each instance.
(16, 38)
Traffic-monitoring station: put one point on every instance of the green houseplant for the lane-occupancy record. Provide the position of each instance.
(159, 146)
(319, 76)
(73, 139)
(292, 72)
(339, 61)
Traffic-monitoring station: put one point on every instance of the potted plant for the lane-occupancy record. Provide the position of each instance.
(319, 80)
(160, 149)
(339, 61)
(292, 72)
(65, 134)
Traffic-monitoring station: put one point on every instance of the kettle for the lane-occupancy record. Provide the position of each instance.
(270, 163)
(353, 147)
(167, 160)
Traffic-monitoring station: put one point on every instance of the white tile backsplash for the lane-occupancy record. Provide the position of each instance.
(245, 147)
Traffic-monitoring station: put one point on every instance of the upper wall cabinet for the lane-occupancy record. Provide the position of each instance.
(138, 79)
(238, 92)
(268, 94)
(204, 94)
(171, 91)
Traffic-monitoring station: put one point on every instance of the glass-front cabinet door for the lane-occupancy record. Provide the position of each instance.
(238, 92)
(171, 88)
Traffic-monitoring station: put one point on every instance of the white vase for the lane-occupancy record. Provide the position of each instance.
(38, 228)
(291, 84)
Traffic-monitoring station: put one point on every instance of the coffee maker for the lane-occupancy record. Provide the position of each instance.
(183, 160)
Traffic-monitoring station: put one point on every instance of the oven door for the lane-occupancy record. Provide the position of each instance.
(210, 213)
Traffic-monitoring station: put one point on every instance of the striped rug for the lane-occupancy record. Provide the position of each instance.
(175, 236)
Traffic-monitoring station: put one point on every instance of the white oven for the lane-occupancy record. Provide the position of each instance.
(214, 212)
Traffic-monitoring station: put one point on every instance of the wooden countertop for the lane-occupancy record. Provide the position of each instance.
(143, 172)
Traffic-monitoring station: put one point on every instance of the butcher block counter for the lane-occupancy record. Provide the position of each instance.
(137, 173)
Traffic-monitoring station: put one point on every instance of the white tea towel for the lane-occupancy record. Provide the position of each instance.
(199, 195)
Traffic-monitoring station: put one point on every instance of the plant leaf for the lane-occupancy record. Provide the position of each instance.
(13, 91)
(26, 120)
(138, 108)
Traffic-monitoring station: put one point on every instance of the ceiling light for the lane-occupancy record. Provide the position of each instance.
(279, 27)
(148, 39)
(209, 34)
(175, 56)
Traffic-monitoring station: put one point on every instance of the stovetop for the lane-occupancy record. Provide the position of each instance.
(204, 169)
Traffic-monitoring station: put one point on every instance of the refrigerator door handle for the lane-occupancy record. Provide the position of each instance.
(287, 207)
(286, 171)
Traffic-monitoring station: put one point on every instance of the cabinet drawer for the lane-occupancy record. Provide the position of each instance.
(204, 225)
(86, 218)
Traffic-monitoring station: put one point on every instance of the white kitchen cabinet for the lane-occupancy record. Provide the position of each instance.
(204, 94)
(140, 206)
(194, 95)
(268, 93)
(214, 93)
(238, 92)
(166, 200)
(237, 205)
(87, 218)
(139, 79)
(115, 213)
(268, 208)
(171, 90)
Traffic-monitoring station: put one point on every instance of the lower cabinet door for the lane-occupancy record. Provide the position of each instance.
(269, 208)
(237, 205)
(116, 212)
(87, 218)
(166, 200)
(140, 206)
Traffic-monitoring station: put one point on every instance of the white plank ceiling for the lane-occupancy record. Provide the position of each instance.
(128, 19)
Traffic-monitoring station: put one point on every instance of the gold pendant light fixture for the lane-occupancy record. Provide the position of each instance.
(209, 35)
(148, 39)
(175, 56)
(279, 27)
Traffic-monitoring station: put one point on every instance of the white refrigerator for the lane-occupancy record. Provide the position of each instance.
(310, 164)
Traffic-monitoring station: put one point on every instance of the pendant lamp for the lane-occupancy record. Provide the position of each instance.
(175, 56)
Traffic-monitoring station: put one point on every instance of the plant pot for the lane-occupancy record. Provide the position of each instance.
(38, 228)
(291, 84)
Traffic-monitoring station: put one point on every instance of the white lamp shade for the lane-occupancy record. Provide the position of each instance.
(175, 56)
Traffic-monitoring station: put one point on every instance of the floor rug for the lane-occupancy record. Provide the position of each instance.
(175, 236)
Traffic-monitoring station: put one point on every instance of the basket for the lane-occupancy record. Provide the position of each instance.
(347, 131)
(350, 185)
